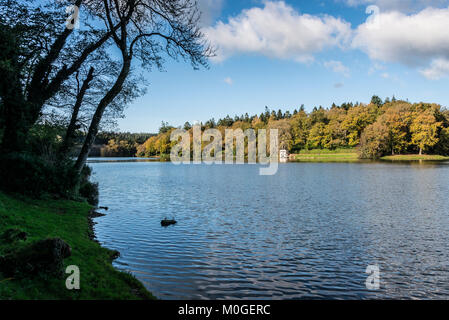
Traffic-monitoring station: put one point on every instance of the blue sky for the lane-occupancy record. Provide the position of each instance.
(284, 54)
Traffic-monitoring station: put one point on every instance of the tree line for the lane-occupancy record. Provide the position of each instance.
(376, 129)
(118, 144)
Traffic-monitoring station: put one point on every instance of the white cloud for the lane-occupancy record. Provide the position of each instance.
(438, 69)
(278, 31)
(338, 67)
(229, 81)
(399, 5)
(415, 40)
(210, 9)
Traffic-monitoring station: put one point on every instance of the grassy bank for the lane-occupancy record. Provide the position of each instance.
(69, 221)
(415, 157)
(350, 155)
(323, 155)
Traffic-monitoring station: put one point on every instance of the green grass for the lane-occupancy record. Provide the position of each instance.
(350, 155)
(328, 151)
(324, 155)
(415, 157)
(67, 220)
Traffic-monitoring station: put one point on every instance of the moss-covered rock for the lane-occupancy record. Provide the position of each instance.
(45, 256)
(13, 235)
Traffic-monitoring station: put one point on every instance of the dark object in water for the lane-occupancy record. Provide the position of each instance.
(166, 222)
(114, 255)
(94, 214)
(104, 208)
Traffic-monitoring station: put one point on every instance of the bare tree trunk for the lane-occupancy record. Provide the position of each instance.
(420, 151)
(107, 99)
(14, 106)
(15, 118)
(68, 140)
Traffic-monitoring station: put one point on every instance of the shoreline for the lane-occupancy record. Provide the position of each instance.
(137, 289)
(330, 157)
(73, 222)
(312, 158)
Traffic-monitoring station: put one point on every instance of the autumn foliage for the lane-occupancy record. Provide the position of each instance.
(375, 129)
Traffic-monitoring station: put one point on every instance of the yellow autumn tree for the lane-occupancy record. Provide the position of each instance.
(300, 130)
(397, 119)
(284, 129)
(424, 130)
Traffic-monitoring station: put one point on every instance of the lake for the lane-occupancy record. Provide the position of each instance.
(308, 232)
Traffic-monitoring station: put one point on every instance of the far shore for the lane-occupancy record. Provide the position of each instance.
(339, 155)
(350, 155)
(416, 157)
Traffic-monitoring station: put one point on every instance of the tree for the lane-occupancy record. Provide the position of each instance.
(374, 141)
(187, 126)
(226, 122)
(318, 115)
(442, 147)
(9, 69)
(355, 121)
(165, 127)
(42, 60)
(425, 129)
(257, 123)
(316, 139)
(279, 115)
(284, 130)
(70, 134)
(300, 130)
(333, 135)
(147, 29)
(119, 148)
(376, 100)
(397, 119)
(76, 102)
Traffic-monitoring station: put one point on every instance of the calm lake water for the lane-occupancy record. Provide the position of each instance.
(308, 232)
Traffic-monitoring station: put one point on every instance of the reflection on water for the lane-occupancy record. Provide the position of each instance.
(113, 159)
(308, 232)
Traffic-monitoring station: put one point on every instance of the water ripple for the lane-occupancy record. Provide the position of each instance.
(308, 232)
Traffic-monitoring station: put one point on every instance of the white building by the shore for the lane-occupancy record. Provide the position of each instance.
(283, 156)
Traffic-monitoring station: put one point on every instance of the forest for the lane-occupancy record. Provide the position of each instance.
(117, 144)
(376, 129)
